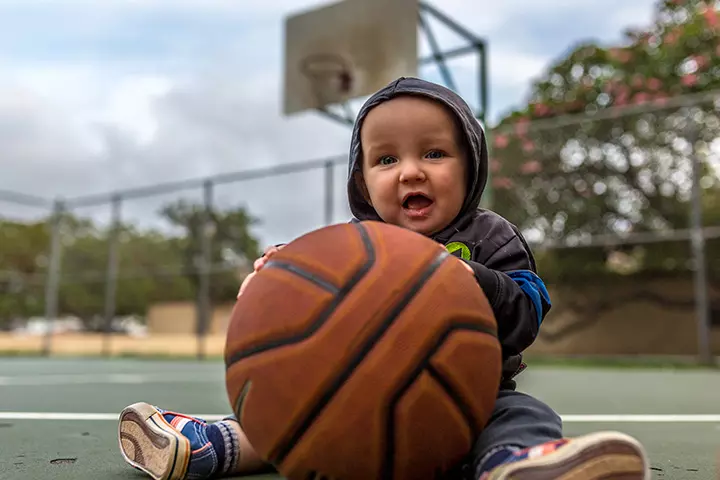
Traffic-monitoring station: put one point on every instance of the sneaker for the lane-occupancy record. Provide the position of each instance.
(166, 445)
(601, 455)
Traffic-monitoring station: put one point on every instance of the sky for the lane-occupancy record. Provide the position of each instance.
(103, 96)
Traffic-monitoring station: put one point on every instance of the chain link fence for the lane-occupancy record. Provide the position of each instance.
(24, 262)
(621, 206)
(150, 271)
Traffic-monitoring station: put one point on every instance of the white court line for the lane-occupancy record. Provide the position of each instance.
(619, 418)
(611, 418)
(106, 378)
(80, 416)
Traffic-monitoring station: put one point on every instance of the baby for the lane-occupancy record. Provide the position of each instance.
(419, 160)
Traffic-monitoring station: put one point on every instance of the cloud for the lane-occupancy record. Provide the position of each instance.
(240, 129)
(174, 5)
(157, 90)
(148, 134)
(524, 38)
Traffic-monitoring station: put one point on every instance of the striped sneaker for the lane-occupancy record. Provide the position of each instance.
(166, 445)
(602, 455)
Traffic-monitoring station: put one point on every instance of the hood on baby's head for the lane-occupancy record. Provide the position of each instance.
(472, 133)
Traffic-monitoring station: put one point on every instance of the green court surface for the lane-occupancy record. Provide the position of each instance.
(58, 417)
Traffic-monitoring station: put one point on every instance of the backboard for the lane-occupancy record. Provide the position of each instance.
(346, 50)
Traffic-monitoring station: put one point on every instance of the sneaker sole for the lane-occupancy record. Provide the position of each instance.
(151, 444)
(598, 456)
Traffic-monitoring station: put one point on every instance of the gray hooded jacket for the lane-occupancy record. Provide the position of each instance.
(501, 259)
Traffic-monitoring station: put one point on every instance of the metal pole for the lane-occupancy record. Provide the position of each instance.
(487, 198)
(329, 192)
(702, 303)
(437, 53)
(193, 184)
(111, 273)
(450, 23)
(206, 232)
(24, 199)
(52, 282)
(484, 82)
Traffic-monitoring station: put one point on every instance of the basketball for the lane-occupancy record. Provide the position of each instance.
(363, 351)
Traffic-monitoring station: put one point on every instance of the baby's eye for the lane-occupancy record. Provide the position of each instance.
(386, 160)
(435, 154)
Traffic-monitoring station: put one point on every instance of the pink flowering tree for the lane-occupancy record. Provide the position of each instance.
(602, 146)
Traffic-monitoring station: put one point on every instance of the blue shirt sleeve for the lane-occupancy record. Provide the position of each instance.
(535, 289)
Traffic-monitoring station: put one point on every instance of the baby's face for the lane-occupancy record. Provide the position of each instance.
(414, 166)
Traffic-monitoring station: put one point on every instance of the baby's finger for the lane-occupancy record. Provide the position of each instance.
(259, 263)
(273, 249)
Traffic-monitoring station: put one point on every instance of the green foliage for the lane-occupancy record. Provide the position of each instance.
(154, 265)
(626, 166)
(231, 234)
(22, 248)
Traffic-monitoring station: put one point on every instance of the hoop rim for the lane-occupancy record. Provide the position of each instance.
(320, 64)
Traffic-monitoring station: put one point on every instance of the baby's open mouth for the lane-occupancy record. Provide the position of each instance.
(417, 202)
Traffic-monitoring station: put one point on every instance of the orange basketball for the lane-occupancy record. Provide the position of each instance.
(363, 351)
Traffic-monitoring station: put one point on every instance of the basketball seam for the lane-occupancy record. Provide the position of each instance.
(439, 472)
(284, 450)
(240, 403)
(450, 391)
(324, 315)
(295, 270)
(388, 463)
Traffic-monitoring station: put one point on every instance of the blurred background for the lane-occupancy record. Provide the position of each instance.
(146, 160)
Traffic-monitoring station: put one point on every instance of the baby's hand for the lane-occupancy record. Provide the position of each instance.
(258, 264)
(464, 264)
(269, 252)
(469, 268)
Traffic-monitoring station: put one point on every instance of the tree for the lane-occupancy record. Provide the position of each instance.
(22, 266)
(232, 244)
(626, 172)
(154, 265)
(143, 274)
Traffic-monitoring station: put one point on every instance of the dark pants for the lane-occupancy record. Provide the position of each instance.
(519, 421)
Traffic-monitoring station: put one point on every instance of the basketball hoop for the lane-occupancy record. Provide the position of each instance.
(330, 76)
